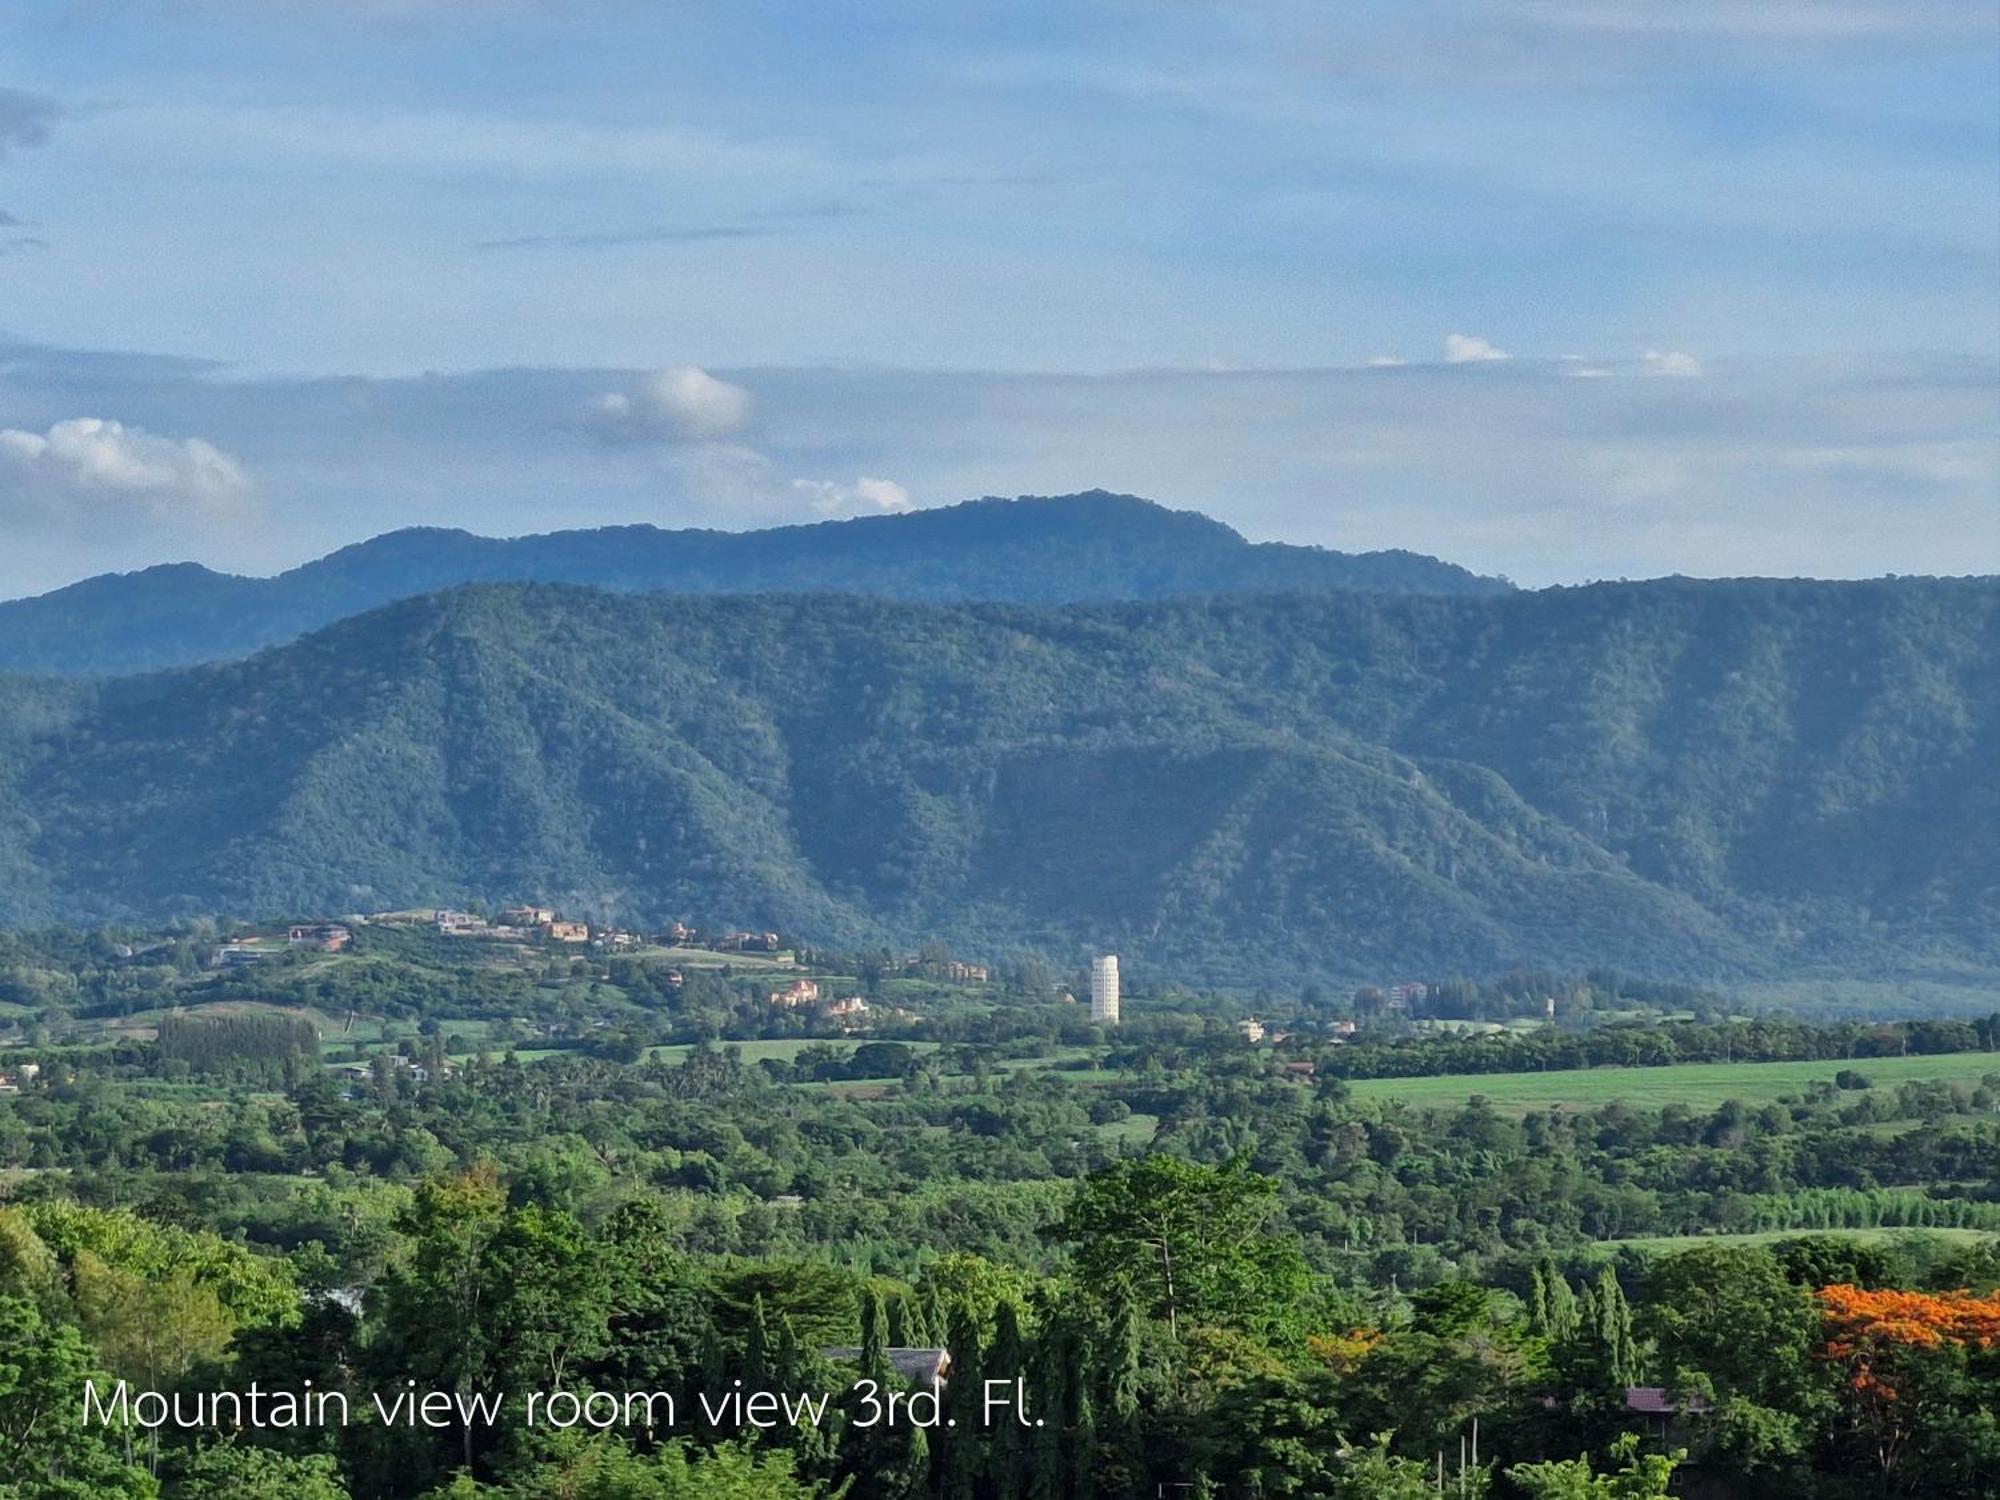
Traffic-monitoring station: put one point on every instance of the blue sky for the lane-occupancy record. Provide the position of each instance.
(1743, 257)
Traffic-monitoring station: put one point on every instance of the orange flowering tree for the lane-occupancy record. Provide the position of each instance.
(1903, 1356)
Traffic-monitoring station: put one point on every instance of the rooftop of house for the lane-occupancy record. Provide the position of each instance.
(1655, 1401)
(921, 1366)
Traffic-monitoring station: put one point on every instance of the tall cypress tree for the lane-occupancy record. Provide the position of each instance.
(757, 1349)
(1564, 1314)
(1083, 1445)
(964, 1402)
(874, 1336)
(912, 1475)
(1122, 1359)
(1006, 1361)
(1614, 1332)
(1049, 1386)
(930, 1311)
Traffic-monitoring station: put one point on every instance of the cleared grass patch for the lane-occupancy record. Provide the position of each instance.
(1696, 1085)
(1134, 1130)
(784, 1049)
(1666, 1244)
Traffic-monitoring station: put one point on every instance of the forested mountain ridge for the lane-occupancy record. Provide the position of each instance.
(1674, 777)
(1050, 550)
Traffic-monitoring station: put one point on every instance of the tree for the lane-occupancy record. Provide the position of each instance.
(602, 1468)
(151, 1332)
(1904, 1358)
(1272, 1438)
(233, 1471)
(435, 1304)
(47, 1452)
(1639, 1476)
(874, 1336)
(546, 1301)
(1731, 1314)
(1193, 1241)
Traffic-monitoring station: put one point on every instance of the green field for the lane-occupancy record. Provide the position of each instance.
(1668, 1243)
(1133, 1130)
(782, 1048)
(1697, 1085)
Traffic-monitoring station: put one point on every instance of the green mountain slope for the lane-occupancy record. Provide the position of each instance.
(1054, 550)
(1674, 777)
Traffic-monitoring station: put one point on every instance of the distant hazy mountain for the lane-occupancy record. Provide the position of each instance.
(1675, 777)
(1073, 548)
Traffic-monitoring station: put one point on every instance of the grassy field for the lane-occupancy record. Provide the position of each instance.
(709, 958)
(1668, 1243)
(782, 1048)
(1134, 1130)
(1697, 1085)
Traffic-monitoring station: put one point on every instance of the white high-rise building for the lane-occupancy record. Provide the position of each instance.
(1104, 989)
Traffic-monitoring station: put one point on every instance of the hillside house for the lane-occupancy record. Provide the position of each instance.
(1667, 1417)
(798, 992)
(528, 916)
(328, 937)
(566, 932)
(921, 1367)
(1252, 1030)
(458, 923)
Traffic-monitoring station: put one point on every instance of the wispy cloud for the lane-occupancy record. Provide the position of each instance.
(26, 119)
(617, 238)
(1669, 362)
(1468, 349)
(444, 141)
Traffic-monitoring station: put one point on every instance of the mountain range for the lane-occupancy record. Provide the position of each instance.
(1052, 550)
(1676, 777)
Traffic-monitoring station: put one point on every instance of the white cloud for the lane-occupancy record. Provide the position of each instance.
(865, 496)
(451, 142)
(1464, 349)
(93, 470)
(1781, 22)
(1844, 467)
(1383, 362)
(682, 401)
(1670, 362)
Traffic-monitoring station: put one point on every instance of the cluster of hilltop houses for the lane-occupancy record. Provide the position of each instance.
(511, 924)
(853, 1011)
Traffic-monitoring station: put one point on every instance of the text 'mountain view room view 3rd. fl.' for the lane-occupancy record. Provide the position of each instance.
(1068, 750)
